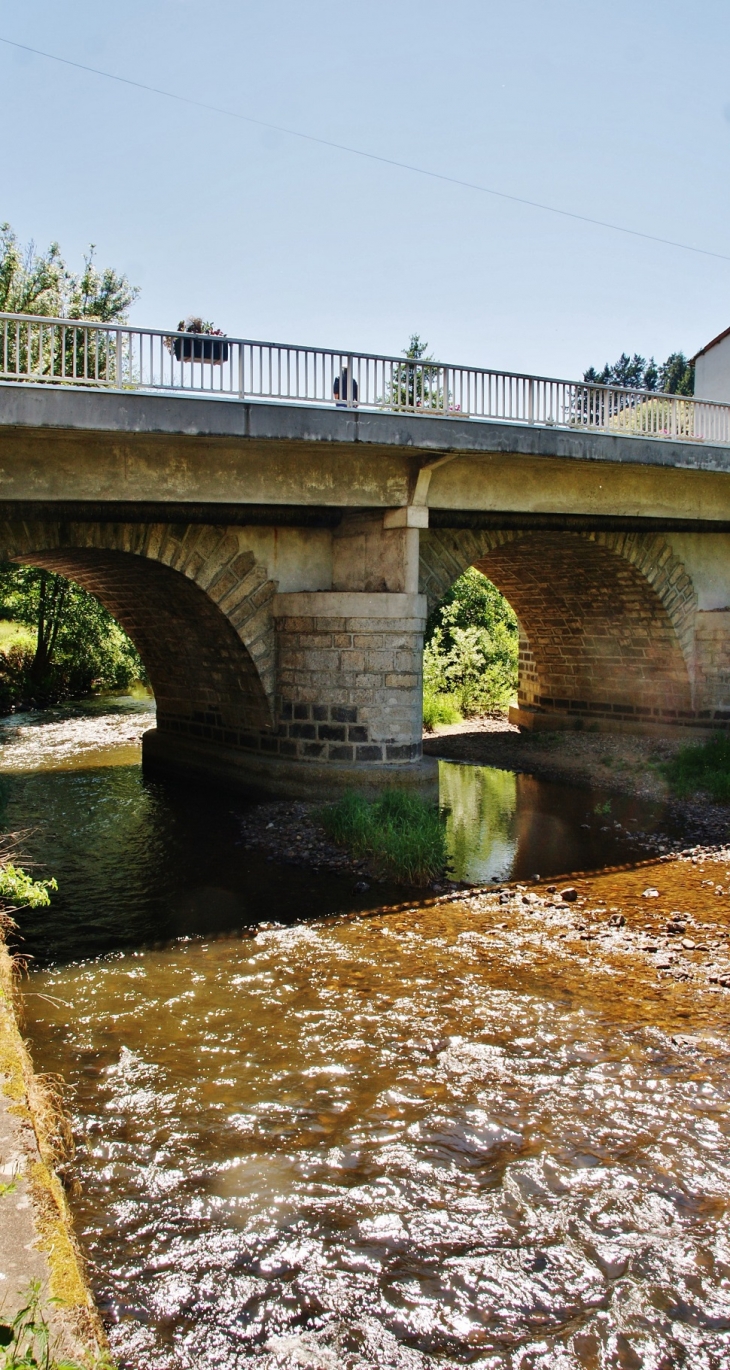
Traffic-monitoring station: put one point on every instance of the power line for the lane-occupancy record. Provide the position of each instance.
(370, 156)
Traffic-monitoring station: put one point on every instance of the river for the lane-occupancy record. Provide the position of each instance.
(402, 1140)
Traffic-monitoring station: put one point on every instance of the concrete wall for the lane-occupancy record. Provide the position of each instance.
(37, 1240)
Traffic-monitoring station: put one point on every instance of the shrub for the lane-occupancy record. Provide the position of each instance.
(406, 835)
(77, 646)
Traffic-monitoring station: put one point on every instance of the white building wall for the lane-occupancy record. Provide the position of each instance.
(712, 373)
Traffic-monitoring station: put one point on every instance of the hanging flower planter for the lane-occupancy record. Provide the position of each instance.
(204, 343)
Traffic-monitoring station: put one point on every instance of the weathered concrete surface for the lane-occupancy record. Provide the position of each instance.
(38, 406)
(62, 445)
(36, 1232)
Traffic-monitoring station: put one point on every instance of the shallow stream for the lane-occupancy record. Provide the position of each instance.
(401, 1140)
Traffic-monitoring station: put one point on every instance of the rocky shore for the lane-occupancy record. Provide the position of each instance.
(658, 928)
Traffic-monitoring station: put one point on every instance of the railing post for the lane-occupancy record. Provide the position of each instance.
(350, 384)
(241, 372)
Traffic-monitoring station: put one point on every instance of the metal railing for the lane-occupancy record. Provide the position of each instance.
(117, 357)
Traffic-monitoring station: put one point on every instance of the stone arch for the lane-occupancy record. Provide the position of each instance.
(194, 602)
(607, 619)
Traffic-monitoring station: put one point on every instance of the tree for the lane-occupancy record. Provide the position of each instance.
(78, 645)
(41, 283)
(674, 377)
(677, 375)
(415, 386)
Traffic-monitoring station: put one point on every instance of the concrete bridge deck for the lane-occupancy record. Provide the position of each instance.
(274, 564)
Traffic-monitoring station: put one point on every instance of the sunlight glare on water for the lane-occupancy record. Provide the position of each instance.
(353, 1144)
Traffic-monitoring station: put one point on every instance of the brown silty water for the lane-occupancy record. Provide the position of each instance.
(491, 1131)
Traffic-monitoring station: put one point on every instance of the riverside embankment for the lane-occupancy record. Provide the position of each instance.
(37, 1241)
(485, 1128)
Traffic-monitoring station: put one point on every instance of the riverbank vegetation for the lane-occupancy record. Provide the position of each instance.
(703, 767)
(26, 1343)
(404, 835)
(470, 655)
(57, 642)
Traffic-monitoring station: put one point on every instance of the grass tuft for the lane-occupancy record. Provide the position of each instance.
(439, 709)
(405, 835)
(703, 766)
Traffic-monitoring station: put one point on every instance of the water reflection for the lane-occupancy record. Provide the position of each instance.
(481, 822)
(138, 861)
(141, 861)
(506, 826)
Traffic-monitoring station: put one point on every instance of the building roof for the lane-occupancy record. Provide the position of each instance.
(708, 345)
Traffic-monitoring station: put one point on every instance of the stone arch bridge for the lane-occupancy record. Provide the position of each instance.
(274, 566)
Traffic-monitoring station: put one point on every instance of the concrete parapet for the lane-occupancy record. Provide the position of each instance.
(368, 607)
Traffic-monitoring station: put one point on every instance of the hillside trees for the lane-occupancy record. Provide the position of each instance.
(470, 656)
(675, 376)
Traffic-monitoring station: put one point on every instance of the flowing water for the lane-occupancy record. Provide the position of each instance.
(404, 1140)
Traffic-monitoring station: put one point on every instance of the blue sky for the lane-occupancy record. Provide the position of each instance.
(617, 112)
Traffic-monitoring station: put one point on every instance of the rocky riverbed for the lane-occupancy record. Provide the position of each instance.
(656, 926)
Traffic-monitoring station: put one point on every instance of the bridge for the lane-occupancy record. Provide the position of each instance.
(272, 536)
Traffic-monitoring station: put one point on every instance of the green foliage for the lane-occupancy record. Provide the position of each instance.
(703, 766)
(21, 890)
(439, 709)
(405, 835)
(677, 375)
(415, 387)
(78, 645)
(25, 1343)
(41, 283)
(674, 377)
(471, 650)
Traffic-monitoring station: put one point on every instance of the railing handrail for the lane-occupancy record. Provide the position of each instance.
(94, 353)
(424, 362)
